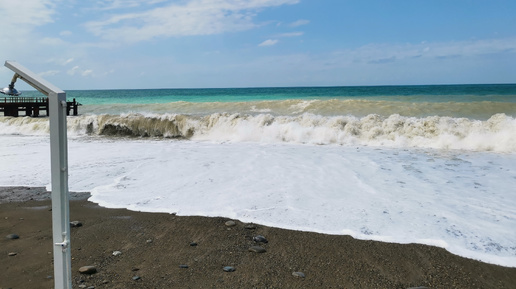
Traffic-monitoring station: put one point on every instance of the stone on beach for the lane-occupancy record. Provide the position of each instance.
(75, 224)
(12, 254)
(230, 223)
(88, 270)
(229, 269)
(257, 249)
(260, 239)
(298, 274)
(12, 236)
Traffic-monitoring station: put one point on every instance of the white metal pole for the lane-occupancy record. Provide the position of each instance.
(60, 198)
(59, 172)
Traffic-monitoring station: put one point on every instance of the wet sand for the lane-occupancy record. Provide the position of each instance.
(157, 248)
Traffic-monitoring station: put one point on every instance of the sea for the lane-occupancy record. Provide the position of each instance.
(428, 164)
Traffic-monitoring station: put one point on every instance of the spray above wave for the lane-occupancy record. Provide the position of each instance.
(498, 133)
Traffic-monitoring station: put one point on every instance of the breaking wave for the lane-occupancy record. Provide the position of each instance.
(498, 133)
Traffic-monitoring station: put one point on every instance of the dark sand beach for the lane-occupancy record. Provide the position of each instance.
(168, 251)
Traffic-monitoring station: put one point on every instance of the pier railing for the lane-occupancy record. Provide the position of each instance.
(13, 105)
(18, 99)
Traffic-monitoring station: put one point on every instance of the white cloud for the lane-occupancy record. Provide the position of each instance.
(87, 72)
(65, 33)
(383, 53)
(298, 23)
(52, 41)
(118, 4)
(19, 19)
(60, 61)
(49, 73)
(27, 13)
(431, 62)
(268, 42)
(194, 17)
(73, 71)
(76, 70)
(291, 34)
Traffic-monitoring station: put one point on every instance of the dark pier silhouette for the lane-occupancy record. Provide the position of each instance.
(32, 106)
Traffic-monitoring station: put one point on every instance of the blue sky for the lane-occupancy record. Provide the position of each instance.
(123, 44)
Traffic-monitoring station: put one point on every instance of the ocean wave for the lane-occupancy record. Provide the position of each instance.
(498, 133)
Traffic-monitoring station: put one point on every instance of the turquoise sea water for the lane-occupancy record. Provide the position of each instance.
(471, 101)
(504, 93)
(490, 99)
(415, 93)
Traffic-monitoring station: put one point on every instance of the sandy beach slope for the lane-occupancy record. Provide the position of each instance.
(168, 251)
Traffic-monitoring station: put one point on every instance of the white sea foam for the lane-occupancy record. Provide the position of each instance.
(497, 133)
(260, 110)
(459, 200)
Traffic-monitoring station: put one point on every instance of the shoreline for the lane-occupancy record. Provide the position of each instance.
(158, 248)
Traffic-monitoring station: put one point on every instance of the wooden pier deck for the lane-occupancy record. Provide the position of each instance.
(32, 106)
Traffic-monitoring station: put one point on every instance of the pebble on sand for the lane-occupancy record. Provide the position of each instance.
(229, 269)
(260, 239)
(230, 223)
(250, 226)
(135, 278)
(75, 224)
(117, 253)
(88, 270)
(12, 254)
(12, 236)
(298, 274)
(257, 249)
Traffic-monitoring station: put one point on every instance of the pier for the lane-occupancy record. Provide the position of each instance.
(32, 106)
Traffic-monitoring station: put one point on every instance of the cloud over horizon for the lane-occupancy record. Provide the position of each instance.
(268, 42)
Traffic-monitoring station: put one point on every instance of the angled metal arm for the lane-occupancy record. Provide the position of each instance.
(32, 79)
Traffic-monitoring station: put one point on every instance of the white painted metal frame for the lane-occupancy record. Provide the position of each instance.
(59, 173)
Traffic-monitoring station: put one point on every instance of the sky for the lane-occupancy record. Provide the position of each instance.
(137, 44)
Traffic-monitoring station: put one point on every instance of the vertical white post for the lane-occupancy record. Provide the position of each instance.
(58, 170)
(60, 198)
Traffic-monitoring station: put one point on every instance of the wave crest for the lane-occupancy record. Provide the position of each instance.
(498, 133)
